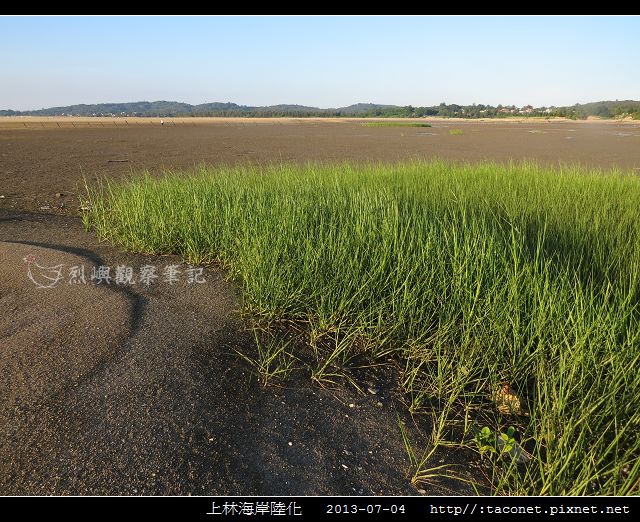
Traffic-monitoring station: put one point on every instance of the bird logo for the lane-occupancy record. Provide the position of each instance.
(42, 276)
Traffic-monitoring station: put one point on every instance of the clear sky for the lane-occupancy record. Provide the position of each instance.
(318, 61)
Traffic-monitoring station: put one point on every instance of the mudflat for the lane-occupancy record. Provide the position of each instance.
(40, 158)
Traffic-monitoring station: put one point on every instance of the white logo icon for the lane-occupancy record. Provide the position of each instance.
(42, 276)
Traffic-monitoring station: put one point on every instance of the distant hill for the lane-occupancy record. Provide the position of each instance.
(170, 108)
(602, 109)
(359, 108)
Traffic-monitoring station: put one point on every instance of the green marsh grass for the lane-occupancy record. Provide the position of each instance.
(395, 124)
(272, 361)
(470, 275)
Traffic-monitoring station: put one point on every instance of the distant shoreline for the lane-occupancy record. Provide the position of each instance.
(70, 121)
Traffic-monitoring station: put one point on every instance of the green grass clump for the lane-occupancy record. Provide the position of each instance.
(395, 124)
(470, 274)
(456, 132)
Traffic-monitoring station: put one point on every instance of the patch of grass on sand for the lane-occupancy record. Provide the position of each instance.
(395, 124)
(508, 294)
(456, 132)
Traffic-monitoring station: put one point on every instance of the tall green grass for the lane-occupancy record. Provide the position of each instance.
(470, 274)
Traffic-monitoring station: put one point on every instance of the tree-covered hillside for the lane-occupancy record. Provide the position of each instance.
(602, 109)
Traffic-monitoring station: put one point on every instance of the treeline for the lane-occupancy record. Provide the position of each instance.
(602, 109)
(605, 109)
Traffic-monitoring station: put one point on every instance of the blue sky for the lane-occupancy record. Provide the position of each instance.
(318, 61)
